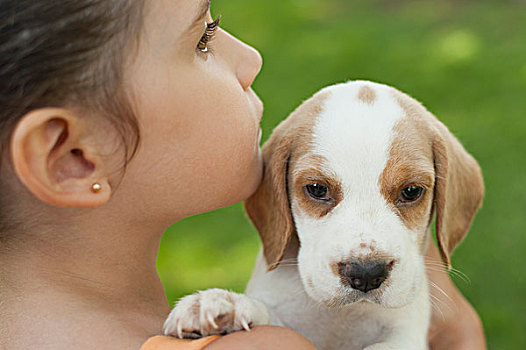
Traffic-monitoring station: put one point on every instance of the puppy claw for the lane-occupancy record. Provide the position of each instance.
(214, 311)
(212, 321)
(179, 330)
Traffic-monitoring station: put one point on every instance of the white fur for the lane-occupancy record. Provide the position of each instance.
(214, 311)
(357, 326)
(354, 137)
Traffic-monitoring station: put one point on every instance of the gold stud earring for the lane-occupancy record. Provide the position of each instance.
(96, 187)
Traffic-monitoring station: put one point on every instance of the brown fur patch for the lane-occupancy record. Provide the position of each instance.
(367, 95)
(410, 163)
(269, 207)
(456, 189)
(379, 256)
(371, 255)
(369, 246)
(311, 206)
(335, 268)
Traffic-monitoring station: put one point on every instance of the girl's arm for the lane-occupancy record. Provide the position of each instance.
(456, 326)
(262, 338)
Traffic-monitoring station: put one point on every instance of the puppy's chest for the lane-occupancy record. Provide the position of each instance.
(350, 329)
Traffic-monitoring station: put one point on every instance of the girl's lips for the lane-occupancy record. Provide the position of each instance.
(259, 108)
(257, 103)
(260, 135)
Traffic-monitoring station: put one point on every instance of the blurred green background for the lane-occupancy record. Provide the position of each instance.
(465, 60)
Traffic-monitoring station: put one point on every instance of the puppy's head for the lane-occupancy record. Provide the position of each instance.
(355, 173)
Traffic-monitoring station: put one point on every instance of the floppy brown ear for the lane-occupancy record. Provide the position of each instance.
(459, 190)
(269, 207)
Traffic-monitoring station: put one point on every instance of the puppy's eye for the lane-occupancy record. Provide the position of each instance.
(411, 193)
(318, 191)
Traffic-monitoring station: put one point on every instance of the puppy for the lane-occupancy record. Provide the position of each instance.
(352, 180)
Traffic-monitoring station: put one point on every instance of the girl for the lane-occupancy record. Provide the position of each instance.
(118, 119)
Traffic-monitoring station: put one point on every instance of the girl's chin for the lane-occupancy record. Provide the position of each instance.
(250, 182)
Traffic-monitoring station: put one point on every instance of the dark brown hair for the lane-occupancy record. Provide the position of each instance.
(66, 53)
(61, 53)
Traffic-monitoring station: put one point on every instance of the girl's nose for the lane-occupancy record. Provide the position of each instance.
(246, 61)
(249, 66)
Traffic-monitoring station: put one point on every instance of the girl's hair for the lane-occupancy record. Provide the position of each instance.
(67, 53)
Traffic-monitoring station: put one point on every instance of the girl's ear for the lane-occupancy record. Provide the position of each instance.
(54, 157)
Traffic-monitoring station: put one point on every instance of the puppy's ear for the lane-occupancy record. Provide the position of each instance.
(459, 190)
(269, 207)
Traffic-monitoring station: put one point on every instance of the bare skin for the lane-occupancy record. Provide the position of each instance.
(81, 270)
(457, 326)
(263, 338)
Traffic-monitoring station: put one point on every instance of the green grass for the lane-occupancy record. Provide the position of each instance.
(465, 60)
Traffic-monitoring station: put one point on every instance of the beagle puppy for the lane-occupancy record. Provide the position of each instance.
(352, 181)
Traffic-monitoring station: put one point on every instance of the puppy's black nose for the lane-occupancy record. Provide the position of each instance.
(364, 277)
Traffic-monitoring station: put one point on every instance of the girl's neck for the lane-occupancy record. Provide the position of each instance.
(99, 277)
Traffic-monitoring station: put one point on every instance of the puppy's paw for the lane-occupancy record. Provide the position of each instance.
(214, 311)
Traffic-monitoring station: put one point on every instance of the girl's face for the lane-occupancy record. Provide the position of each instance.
(198, 115)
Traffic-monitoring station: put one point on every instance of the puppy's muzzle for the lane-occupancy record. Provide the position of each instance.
(364, 276)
